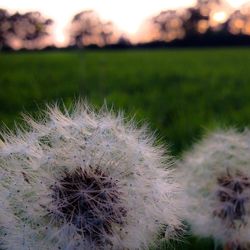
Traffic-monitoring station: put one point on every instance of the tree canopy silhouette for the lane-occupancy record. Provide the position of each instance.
(177, 24)
(87, 28)
(28, 30)
(199, 22)
(239, 21)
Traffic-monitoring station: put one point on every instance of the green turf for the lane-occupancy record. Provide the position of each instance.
(180, 92)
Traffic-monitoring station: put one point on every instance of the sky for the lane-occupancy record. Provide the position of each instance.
(127, 15)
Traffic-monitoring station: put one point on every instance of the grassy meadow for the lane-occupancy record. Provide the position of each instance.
(180, 93)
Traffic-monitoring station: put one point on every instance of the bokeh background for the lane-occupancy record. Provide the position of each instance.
(183, 67)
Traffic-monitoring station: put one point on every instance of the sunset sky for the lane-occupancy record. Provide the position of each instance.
(128, 15)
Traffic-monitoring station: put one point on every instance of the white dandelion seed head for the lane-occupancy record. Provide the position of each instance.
(216, 179)
(86, 180)
(1, 143)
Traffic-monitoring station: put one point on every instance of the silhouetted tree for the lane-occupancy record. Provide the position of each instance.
(198, 19)
(123, 41)
(169, 25)
(28, 30)
(239, 21)
(4, 28)
(193, 20)
(189, 22)
(87, 28)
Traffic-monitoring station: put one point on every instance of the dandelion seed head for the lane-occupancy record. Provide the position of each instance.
(86, 180)
(216, 180)
(90, 200)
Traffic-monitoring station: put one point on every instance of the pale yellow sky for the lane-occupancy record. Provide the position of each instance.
(128, 15)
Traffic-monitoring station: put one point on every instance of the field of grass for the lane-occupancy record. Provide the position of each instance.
(180, 92)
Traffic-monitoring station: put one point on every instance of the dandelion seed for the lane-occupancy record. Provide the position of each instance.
(86, 180)
(1, 143)
(216, 178)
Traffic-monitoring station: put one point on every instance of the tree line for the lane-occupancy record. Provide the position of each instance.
(192, 25)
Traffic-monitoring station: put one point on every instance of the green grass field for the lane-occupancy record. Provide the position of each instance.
(180, 93)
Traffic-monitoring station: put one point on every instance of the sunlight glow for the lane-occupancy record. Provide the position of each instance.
(220, 16)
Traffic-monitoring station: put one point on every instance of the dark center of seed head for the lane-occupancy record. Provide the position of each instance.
(90, 200)
(232, 195)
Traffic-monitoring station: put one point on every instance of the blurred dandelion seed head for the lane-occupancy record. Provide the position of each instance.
(216, 180)
(233, 195)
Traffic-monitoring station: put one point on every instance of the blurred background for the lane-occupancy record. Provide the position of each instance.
(181, 66)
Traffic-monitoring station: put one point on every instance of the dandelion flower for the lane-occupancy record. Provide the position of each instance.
(216, 180)
(85, 180)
